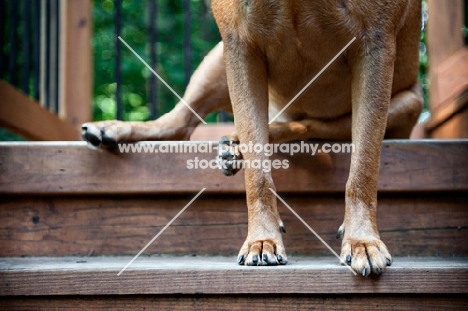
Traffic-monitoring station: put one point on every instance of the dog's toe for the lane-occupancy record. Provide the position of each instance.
(262, 253)
(107, 141)
(365, 256)
(90, 135)
(229, 158)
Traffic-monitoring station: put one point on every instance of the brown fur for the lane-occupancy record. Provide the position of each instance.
(271, 49)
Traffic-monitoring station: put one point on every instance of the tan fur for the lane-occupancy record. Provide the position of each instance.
(271, 49)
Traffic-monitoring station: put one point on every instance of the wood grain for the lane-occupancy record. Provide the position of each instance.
(76, 62)
(73, 169)
(219, 275)
(26, 117)
(417, 225)
(401, 302)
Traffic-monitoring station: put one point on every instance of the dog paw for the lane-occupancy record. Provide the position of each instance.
(229, 157)
(268, 252)
(365, 256)
(101, 134)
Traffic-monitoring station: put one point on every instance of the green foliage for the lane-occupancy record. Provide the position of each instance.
(170, 55)
(134, 74)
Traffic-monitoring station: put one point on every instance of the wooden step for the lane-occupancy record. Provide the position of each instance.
(73, 169)
(60, 199)
(219, 283)
(420, 225)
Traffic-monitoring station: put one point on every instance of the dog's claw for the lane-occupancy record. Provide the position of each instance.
(279, 257)
(255, 259)
(240, 259)
(389, 262)
(265, 257)
(379, 271)
(364, 272)
(282, 229)
(228, 156)
(348, 259)
(340, 232)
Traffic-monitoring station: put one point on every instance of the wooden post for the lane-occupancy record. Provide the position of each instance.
(75, 64)
(448, 70)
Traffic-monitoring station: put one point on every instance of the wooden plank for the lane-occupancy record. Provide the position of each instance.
(399, 302)
(26, 117)
(73, 169)
(444, 39)
(220, 275)
(455, 126)
(451, 77)
(76, 65)
(412, 225)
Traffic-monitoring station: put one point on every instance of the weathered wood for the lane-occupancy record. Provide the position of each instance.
(416, 225)
(26, 117)
(76, 64)
(400, 302)
(220, 275)
(74, 169)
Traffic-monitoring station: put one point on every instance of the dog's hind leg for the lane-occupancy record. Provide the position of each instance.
(207, 92)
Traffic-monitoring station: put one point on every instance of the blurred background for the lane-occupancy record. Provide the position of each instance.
(43, 42)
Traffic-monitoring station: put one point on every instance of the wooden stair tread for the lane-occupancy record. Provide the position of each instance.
(73, 169)
(221, 275)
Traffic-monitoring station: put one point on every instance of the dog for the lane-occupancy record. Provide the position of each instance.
(270, 50)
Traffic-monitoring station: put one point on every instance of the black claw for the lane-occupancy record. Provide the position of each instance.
(240, 259)
(379, 271)
(279, 257)
(265, 257)
(223, 140)
(283, 229)
(348, 259)
(255, 259)
(340, 233)
(364, 272)
(94, 140)
(84, 127)
(389, 262)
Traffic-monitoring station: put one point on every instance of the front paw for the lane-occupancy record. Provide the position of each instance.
(229, 158)
(269, 252)
(101, 134)
(365, 255)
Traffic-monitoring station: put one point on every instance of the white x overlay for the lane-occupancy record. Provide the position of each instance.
(312, 230)
(162, 80)
(201, 119)
(160, 232)
(313, 79)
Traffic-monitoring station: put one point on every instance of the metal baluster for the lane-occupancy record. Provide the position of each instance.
(153, 38)
(118, 67)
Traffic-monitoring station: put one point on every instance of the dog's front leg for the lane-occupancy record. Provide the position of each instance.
(247, 81)
(371, 63)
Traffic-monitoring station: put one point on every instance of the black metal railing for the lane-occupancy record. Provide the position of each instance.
(29, 53)
(152, 8)
(30, 48)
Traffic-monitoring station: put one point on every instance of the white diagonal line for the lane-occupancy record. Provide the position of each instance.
(162, 230)
(312, 230)
(308, 84)
(162, 80)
